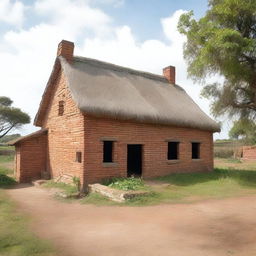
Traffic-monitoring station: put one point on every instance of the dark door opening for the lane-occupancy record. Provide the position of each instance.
(134, 160)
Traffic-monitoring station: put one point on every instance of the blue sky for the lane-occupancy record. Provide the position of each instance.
(143, 16)
(134, 33)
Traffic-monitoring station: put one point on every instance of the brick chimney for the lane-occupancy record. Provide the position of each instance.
(169, 73)
(66, 49)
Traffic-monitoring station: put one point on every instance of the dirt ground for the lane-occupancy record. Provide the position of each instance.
(208, 228)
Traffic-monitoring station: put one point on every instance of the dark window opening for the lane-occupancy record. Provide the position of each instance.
(61, 108)
(79, 157)
(173, 150)
(107, 151)
(195, 150)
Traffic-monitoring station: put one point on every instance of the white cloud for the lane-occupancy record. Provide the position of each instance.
(28, 57)
(115, 3)
(73, 16)
(150, 55)
(170, 27)
(12, 12)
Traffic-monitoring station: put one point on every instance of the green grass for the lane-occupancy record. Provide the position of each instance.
(15, 238)
(6, 158)
(126, 183)
(190, 187)
(6, 171)
(5, 180)
(7, 148)
(68, 189)
(218, 184)
(185, 188)
(97, 199)
(234, 164)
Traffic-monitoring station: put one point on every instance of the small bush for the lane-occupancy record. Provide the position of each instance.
(77, 183)
(223, 153)
(127, 183)
(6, 180)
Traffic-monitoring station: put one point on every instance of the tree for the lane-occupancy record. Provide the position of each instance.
(245, 129)
(224, 42)
(10, 137)
(10, 117)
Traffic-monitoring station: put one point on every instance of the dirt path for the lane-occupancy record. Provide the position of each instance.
(210, 228)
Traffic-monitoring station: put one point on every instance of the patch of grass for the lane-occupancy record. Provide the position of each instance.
(126, 183)
(234, 160)
(6, 147)
(144, 200)
(5, 180)
(5, 171)
(68, 189)
(242, 177)
(97, 199)
(217, 184)
(15, 238)
(6, 158)
(234, 164)
(190, 187)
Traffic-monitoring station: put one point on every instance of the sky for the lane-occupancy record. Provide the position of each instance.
(134, 33)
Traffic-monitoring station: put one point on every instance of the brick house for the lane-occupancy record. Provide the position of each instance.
(100, 120)
(249, 152)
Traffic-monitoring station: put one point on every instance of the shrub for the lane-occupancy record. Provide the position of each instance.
(224, 153)
(6, 180)
(77, 183)
(127, 183)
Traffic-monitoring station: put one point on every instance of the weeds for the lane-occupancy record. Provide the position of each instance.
(67, 188)
(126, 183)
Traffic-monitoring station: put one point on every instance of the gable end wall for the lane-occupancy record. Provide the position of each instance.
(65, 133)
(249, 152)
(30, 159)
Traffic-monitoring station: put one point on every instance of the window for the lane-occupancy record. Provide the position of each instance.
(173, 150)
(79, 157)
(195, 150)
(61, 108)
(107, 151)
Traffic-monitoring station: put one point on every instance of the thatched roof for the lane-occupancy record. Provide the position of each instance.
(29, 136)
(107, 90)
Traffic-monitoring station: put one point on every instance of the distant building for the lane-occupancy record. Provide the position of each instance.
(249, 152)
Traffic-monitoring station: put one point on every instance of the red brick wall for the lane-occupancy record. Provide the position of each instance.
(153, 138)
(249, 152)
(65, 133)
(31, 158)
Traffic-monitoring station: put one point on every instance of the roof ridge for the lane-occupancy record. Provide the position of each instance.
(119, 68)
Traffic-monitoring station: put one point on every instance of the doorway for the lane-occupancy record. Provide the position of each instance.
(134, 160)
